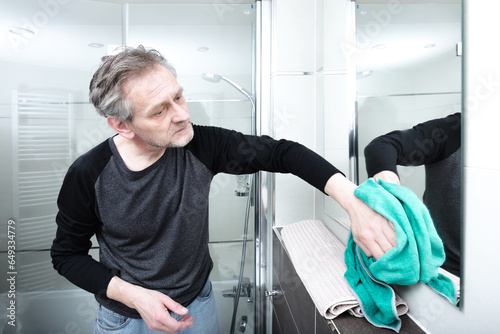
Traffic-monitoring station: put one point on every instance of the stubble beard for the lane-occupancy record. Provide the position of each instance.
(184, 140)
(173, 142)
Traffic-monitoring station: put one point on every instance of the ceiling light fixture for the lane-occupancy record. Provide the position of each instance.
(429, 46)
(380, 47)
(23, 32)
(202, 49)
(95, 45)
(364, 74)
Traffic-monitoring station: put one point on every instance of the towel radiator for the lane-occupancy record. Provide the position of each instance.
(41, 138)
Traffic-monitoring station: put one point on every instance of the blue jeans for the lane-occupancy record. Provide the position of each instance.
(202, 308)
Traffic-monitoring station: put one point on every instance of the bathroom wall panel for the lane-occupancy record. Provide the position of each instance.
(294, 108)
(334, 41)
(336, 126)
(319, 31)
(336, 108)
(294, 119)
(295, 39)
(482, 124)
(337, 118)
(481, 87)
(481, 231)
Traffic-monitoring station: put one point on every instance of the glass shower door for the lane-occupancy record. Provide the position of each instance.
(47, 59)
(211, 47)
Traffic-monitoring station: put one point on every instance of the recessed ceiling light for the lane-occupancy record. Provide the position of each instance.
(23, 32)
(380, 47)
(202, 49)
(364, 74)
(95, 45)
(429, 46)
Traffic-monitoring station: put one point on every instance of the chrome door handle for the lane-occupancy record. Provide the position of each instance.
(274, 293)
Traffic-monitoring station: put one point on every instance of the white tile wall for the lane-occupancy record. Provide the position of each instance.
(310, 36)
(335, 20)
(337, 117)
(294, 32)
(483, 119)
(294, 119)
(336, 133)
(336, 110)
(295, 108)
(481, 293)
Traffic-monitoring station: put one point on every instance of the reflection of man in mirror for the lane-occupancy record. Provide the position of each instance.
(436, 145)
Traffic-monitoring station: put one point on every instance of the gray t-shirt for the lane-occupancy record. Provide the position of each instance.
(152, 225)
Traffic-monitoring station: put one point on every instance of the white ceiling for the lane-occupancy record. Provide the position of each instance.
(408, 35)
(64, 29)
(63, 32)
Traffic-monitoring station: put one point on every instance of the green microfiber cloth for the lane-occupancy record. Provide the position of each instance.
(416, 257)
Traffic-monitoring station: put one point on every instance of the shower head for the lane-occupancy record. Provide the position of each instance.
(217, 78)
(211, 77)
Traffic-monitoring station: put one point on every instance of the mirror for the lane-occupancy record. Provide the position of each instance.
(408, 72)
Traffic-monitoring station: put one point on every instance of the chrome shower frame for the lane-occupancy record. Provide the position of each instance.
(262, 183)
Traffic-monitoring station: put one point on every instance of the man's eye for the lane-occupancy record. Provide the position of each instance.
(159, 113)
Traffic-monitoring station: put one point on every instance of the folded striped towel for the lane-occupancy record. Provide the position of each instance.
(318, 258)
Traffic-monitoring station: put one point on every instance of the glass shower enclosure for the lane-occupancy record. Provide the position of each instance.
(49, 51)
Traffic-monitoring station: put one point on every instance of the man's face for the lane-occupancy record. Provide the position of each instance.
(160, 116)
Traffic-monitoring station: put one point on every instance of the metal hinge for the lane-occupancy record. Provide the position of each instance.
(459, 49)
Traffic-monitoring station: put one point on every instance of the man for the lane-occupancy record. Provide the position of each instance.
(144, 193)
(436, 145)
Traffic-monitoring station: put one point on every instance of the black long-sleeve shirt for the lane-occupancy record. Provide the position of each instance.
(435, 144)
(152, 225)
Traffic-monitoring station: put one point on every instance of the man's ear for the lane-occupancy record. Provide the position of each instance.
(121, 127)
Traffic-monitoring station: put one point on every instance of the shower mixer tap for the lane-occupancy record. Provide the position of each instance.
(242, 185)
(245, 291)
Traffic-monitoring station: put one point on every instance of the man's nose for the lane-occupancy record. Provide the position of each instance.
(181, 113)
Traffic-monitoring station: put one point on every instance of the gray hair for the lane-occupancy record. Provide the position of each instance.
(107, 85)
